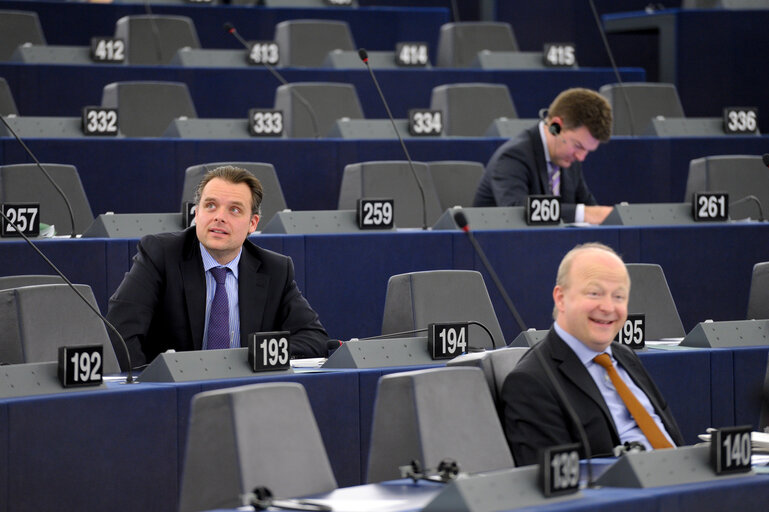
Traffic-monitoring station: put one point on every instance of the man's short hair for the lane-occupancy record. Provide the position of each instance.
(234, 175)
(583, 107)
(562, 278)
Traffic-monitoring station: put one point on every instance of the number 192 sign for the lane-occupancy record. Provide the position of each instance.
(80, 366)
(268, 351)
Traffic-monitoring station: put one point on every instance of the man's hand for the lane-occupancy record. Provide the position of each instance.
(597, 214)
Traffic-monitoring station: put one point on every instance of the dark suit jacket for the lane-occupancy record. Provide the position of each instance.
(518, 168)
(534, 418)
(161, 303)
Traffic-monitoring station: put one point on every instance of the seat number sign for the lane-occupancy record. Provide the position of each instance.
(446, 341)
(543, 210)
(268, 351)
(375, 213)
(23, 217)
(740, 120)
(100, 121)
(425, 123)
(710, 206)
(633, 332)
(411, 54)
(263, 52)
(731, 450)
(80, 366)
(265, 122)
(559, 470)
(105, 49)
(559, 55)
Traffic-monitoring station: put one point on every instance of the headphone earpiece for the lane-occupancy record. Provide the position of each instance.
(555, 128)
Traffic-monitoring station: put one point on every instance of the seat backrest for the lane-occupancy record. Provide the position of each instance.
(469, 109)
(153, 39)
(456, 182)
(306, 43)
(272, 201)
(37, 320)
(460, 42)
(17, 28)
(725, 4)
(495, 364)
(416, 299)
(327, 102)
(739, 175)
(432, 415)
(7, 105)
(300, 3)
(646, 100)
(145, 109)
(20, 183)
(392, 179)
(758, 300)
(7, 282)
(262, 435)
(650, 295)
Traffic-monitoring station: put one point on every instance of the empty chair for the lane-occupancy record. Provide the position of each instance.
(7, 282)
(16, 29)
(7, 105)
(24, 183)
(416, 299)
(145, 109)
(758, 300)
(392, 179)
(469, 109)
(432, 415)
(306, 43)
(646, 100)
(739, 175)
(455, 182)
(37, 320)
(272, 202)
(650, 295)
(495, 364)
(262, 435)
(152, 39)
(459, 43)
(327, 102)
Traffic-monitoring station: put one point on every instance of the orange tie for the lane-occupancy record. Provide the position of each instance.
(647, 424)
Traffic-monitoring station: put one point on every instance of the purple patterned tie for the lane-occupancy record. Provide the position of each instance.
(219, 314)
(555, 179)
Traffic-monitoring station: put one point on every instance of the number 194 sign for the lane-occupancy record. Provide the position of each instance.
(446, 341)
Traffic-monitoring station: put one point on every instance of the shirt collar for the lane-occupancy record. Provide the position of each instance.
(209, 262)
(582, 351)
(543, 138)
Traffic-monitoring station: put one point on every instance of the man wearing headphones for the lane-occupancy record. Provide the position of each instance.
(547, 158)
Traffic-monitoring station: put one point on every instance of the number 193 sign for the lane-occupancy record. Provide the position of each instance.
(268, 351)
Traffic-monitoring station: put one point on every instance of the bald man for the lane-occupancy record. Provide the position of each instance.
(591, 297)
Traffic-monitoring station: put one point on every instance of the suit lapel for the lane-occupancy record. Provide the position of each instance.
(539, 160)
(252, 293)
(194, 284)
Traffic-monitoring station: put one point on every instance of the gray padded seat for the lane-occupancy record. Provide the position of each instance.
(272, 201)
(244, 437)
(391, 179)
(459, 43)
(650, 295)
(306, 43)
(469, 109)
(758, 300)
(739, 175)
(7, 282)
(16, 29)
(647, 101)
(329, 102)
(456, 181)
(145, 109)
(725, 4)
(496, 364)
(37, 320)
(432, 415)
(7, 105)
(145, 46)
(416, 299)
(24, 183)
(300, 3)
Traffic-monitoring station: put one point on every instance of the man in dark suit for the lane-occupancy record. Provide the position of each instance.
(591, 296)
(164, 300)
(547, 158)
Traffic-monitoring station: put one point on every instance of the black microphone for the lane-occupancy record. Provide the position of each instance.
(364, 57)
(230, 29)
(129, 377)
(461, 220)
(614, 67)
(45, 173)
(765, 158)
